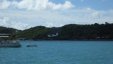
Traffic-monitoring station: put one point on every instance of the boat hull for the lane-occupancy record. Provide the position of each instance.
(9, 44)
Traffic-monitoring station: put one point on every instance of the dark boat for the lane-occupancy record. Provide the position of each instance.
(31, 46)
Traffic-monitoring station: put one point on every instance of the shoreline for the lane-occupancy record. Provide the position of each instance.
(71, 40)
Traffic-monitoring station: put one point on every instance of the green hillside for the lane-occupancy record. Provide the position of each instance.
(69, 32)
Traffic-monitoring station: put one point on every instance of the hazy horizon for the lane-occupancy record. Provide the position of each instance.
(23, 14)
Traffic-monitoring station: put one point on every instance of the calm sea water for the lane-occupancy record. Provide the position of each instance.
(59, 52)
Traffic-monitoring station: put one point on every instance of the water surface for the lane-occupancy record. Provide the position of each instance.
(59, 52)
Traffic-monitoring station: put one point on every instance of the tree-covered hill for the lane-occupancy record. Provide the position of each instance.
(38, 32)
(94, 31)
(11, 32)
(66, 32)
(7, 30)
(69, 32)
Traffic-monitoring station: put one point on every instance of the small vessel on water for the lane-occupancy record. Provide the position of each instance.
(31, 46)
(7, 41)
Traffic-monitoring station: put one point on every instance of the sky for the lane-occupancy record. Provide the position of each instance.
(23, 14)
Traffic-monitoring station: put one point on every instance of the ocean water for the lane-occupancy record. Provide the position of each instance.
(59, 52)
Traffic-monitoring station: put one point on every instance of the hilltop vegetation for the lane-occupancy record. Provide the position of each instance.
(7, 30)
(66, 32)
(4, 31)
(69, 32)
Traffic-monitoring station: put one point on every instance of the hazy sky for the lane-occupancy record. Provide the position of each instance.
(22, 14)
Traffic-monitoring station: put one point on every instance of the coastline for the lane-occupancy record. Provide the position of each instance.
(69, 40)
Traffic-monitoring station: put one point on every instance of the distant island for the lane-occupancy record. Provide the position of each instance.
(67, 32)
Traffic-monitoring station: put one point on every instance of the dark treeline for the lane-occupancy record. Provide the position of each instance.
(4, 31)
(7, 30)
(69, 32)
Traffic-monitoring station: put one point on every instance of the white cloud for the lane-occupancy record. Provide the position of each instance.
(66, 5)
(36, 5)
(19, 25)
(6, 22)
(43, 4)
(4, 4)
(47, 16)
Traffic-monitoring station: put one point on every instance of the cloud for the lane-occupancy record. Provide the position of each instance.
(4, 4)
(36, 5)
(27, 19)
(6, 22)
(66, 5)
(43, 12)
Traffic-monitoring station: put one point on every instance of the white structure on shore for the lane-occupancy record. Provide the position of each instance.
(4, 35)
(53, 35)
